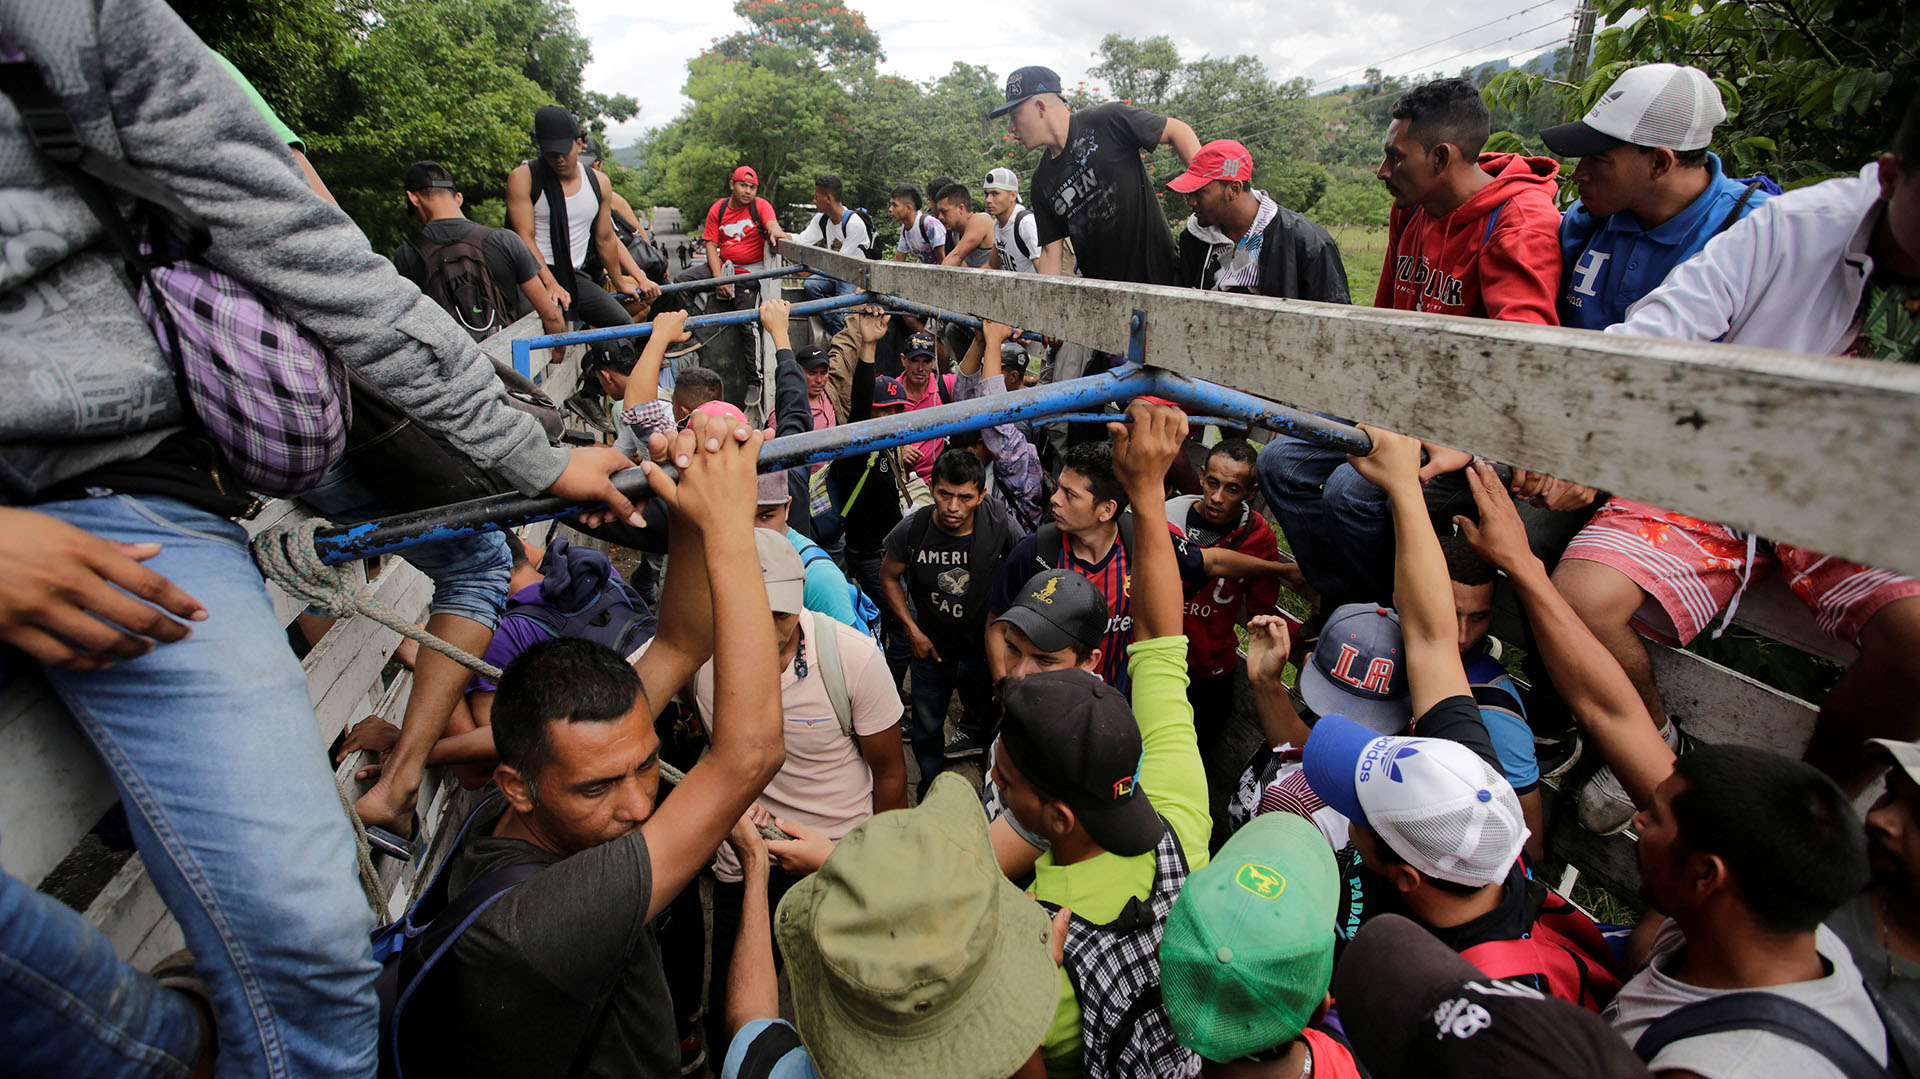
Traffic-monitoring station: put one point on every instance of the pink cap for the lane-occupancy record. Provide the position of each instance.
(1221, 159)
(722, 410)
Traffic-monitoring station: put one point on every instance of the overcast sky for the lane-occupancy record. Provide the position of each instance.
(643, 49)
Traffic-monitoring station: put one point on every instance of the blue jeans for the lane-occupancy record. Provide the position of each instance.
(469, 573)
(213, 748)
(69, 1006)
(933, 687)
(819, 287)
(1337, 523)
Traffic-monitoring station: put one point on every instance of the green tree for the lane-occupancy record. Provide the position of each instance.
(1812, 87)
(1141, 71)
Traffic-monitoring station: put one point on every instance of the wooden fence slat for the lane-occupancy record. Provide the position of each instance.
(56, 787)
(1797, 448)
(1718, 705)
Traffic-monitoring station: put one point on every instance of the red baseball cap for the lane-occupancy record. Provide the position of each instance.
(1221, 159)
(745, 172)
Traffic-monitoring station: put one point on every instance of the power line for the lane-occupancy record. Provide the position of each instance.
(1381, 64)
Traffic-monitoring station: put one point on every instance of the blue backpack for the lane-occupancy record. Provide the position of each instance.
(866, 615)
(615, 616)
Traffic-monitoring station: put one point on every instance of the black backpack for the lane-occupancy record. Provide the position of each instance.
(1046, 542)
(1018, 218)
(871, 249)
(456, 277)
(1774, 1014)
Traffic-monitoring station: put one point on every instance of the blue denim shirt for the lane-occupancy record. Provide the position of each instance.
(1612, 263)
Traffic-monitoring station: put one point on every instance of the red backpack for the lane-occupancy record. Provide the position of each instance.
(1565, 950)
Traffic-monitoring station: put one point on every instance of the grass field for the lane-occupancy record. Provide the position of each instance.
(1363, 249)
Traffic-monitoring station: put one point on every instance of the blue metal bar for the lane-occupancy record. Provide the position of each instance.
(715, 282)
(921, 310)
(1122, 417)
(1042, 402)
(523, 347)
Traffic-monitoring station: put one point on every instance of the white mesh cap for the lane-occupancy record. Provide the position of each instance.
(1650, 105)
(1442, 808)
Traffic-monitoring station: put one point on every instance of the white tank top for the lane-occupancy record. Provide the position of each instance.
(581, 206)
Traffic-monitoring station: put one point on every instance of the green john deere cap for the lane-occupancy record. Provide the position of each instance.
(1248, 950)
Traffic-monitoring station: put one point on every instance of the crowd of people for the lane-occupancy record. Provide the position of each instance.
(949, 768)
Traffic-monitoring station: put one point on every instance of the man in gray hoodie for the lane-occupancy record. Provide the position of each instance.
(114, 516)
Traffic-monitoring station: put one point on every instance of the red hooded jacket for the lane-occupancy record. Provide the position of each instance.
(1497, 255)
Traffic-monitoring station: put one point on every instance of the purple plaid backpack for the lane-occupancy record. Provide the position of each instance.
(268, 395)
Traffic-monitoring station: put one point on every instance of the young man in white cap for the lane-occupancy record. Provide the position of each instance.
(1238, 239)
(1829, 269)
(1016, 239)
(1651, 194)
(1431, 815)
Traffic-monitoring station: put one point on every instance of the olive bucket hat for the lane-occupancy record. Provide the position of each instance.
(943, 970)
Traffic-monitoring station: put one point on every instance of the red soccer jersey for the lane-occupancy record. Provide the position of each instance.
(1215, 605)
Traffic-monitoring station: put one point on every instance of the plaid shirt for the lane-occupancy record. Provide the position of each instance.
(648, 417)
(1114, 965)
(1016, 464)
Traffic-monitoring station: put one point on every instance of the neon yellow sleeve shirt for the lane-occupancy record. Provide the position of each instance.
(273, 119)
(1176, 781)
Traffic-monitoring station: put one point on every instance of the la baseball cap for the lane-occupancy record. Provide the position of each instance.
(888, 393)
(1074, 737)
(1221, 159)
(554, 129)
(1650, 105)
(771, 489)
(1002, 180)
(1027, 82)
(1436, 803)
(745, 172)
(1358, 669)
(1413, 1007)
(1057, 609)
(919, 344)
(785, 574)
(423, 176)
(1247, 952)
(812, 357)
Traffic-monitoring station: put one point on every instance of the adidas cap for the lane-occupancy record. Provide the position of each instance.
(1436, 803)
(1650, 105)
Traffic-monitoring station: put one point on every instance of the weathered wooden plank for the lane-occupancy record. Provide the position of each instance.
(130, 912)
(1606, 861)
(1794, 447)
(55, 787)
(363, 648)
(1720, 705)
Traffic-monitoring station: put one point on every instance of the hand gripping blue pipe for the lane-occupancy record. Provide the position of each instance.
(347, 543)
(523, 347)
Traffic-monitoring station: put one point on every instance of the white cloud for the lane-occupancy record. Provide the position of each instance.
(645, 54)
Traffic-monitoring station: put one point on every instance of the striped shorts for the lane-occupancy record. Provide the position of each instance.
(1693, 569)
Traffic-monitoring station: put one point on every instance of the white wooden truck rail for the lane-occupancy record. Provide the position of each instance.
(56, 789)
(1810, 449)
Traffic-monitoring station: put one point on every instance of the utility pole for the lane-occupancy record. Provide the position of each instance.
(1582, 42)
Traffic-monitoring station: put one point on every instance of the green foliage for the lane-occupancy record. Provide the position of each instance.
(1813, 88)
(375, 85)
(1354, 202)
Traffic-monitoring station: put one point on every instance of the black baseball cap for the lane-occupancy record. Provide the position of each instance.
(1025, 83)
(1013, 354)
(554, 129)
(1074, 737)
(919, 343)
(1057, 609)
(423, 176)
(591, 151)
(811, 356)
(1413, 1007)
